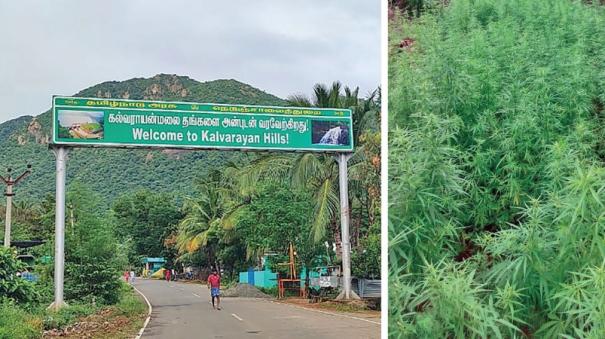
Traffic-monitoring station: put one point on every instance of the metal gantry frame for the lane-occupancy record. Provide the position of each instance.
(61, 162)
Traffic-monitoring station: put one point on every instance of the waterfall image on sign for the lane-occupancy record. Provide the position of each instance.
(330, 133)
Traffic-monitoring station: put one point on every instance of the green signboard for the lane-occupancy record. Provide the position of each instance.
(128, 123)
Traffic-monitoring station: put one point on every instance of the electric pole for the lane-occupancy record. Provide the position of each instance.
(9, 182)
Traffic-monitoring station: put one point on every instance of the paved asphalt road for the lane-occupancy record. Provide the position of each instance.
(184, 311)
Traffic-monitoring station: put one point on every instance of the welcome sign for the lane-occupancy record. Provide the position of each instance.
(132, 123)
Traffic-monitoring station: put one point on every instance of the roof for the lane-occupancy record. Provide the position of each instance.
(150, 260)
(27, 243)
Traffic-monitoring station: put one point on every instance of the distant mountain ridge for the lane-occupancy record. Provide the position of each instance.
(111, 172)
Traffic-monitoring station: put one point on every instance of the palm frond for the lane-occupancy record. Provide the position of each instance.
(326, 207)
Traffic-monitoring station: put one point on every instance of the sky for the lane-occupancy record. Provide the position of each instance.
(282, 47)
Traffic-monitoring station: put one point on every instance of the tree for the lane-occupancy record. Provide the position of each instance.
(146, 219)
(202, 223)
(277, 217)
(92, 255)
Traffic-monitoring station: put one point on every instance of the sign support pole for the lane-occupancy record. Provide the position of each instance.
(61, 156)
(343, 180)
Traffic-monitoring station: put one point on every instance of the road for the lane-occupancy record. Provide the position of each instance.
(184, 311)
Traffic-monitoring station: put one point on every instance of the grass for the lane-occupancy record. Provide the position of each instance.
(496, 171)
(67, 315)
(121, 320)
(131, 304)
(17, 323)
(272, 291)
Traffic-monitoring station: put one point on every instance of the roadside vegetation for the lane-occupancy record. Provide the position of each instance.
(93, 261)
(496, 171)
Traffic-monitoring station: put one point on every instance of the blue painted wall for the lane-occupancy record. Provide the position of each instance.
(266, 278)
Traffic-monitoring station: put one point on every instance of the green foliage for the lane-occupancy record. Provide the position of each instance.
(365, 261)
(272, 291)
(13, 288)
(130, 303)
(89, 280)
(145, 219)
(446, 302)
(496, 173)
(17, 323)
(277, 217)
(92, 257)
(203, 224)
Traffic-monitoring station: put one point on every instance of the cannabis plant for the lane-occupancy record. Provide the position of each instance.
(496, 171)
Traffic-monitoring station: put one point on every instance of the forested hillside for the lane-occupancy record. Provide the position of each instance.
(111, 171)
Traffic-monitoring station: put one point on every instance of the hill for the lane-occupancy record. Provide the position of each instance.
(112, 172)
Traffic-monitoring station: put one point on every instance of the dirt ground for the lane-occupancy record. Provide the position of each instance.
(357, 308)
(101, 325)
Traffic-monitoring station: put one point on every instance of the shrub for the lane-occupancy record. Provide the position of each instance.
(88, 278)
(13, 287)
(92, 256)
(365, 260)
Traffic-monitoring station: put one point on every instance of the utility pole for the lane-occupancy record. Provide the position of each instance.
(9, 182)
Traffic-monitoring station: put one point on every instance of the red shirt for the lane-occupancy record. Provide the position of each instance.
(214, 280)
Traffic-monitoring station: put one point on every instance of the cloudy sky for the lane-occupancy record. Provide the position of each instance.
(282, 47)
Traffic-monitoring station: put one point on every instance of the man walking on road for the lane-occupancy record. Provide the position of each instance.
(214, 284)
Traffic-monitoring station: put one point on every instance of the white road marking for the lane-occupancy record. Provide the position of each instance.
(289, 317)
(150, 309)
(236, 317)
(196, 295)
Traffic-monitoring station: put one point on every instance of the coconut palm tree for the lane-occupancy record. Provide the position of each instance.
(211, 216)
(201, 225)
(318, 172)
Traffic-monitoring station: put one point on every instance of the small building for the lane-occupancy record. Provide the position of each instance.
(264, 278)
(153, 264)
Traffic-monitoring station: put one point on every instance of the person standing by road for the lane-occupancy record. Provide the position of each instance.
(167, 272)
(214, 284)
(132, 277)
